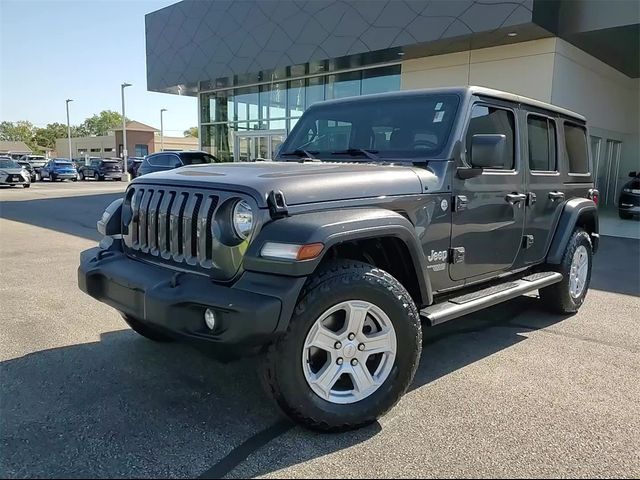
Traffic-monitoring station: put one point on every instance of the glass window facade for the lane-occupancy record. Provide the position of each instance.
(279, 105)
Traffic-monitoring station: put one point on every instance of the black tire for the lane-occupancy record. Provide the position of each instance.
(26, 185)
(557, 297)
(82, 178)
(96, 177)
(52, 178)
(146, 331)
(625, 215)
(283, 374)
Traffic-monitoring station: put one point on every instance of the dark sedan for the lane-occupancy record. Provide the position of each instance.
(163, 161)
(629, 202)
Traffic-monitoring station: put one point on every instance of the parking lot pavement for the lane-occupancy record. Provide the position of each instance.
(510, 391)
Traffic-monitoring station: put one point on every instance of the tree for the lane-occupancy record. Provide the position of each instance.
(103, 122)
(46, 137)
(20, 131)
(192, 132)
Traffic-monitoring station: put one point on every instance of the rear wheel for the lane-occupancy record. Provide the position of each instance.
(351, 349)
(81, 175)
(568, 295)
(146, 330)
(96, 177)
(26, 185)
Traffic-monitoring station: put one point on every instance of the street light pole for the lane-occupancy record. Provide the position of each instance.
(162, 110)
(124, 133)
(69, 128)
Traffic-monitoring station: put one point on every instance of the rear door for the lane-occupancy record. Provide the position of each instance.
(545, 195)
(488, 218)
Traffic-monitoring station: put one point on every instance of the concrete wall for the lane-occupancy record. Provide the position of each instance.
(102, 144)
(553, 71)
(609, 99)
(136, 138)
(525, 68)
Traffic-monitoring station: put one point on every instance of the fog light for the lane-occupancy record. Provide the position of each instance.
(210, 319)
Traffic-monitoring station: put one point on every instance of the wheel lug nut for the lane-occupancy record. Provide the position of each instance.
(338, 345)
(339, 361)
(354, 362)
(361, 347)
(352, 336)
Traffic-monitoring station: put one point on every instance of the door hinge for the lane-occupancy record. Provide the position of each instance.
(456, 254)
(460, 203)
(527, 241)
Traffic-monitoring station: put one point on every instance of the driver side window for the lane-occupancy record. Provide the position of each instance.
(488, 120)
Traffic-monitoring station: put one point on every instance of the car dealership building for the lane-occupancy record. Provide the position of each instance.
(256, 65)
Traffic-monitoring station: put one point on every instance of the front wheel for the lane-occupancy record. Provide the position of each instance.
(351, 349)
(81, 175)
(568, 295)
(26, 185)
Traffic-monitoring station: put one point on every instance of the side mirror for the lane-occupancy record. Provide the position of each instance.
(633, 174)
(487, 150)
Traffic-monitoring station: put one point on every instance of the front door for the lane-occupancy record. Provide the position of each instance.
(488, 217)
(259, 144)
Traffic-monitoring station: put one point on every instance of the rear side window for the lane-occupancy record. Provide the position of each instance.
(575, 139)
(491, 120)
(542, 143)
(162, 160)
(196, 158)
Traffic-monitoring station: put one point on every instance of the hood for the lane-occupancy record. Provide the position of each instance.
(307, 182)
(633, 184)
(12, 171)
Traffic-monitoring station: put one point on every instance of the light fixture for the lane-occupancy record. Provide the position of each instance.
(210, 319)
(512, 34)
(401, 53)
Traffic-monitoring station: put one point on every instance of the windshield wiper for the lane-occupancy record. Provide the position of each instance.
(298, 152)
(358, 151)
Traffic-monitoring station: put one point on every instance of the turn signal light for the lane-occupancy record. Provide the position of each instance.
(288, 251)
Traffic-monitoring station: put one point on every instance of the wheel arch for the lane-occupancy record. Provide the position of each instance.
(365, 234)
(577, 212)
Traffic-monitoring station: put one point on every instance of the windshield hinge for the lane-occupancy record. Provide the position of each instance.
(277, 204)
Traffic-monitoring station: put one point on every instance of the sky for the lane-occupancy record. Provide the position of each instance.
(51, 50)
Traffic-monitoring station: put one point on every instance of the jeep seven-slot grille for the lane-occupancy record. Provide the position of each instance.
(171, 224)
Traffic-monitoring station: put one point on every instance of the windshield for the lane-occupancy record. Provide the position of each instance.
(6, 163)
(377, 128)
(63, 164)
(195, 158)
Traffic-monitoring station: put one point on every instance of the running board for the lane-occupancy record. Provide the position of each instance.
(487, 297)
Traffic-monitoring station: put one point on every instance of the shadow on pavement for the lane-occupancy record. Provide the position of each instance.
(73, 215)
(125, 406)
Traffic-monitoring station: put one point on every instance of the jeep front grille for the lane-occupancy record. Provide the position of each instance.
(171, 224)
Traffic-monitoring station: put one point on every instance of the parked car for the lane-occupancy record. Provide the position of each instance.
(12, 173)
(629, 202)
(163, 161)
(36, 161)
(379, 215)
(100, 169)
(133, 164)
(29, 168)
(59, 169)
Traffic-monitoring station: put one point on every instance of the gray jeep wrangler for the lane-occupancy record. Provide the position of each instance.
(381, 215)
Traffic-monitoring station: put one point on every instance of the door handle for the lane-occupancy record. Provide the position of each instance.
(556, 196)
(514, 198)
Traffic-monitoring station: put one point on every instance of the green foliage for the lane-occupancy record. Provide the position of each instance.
(192, 132)
(101, 123)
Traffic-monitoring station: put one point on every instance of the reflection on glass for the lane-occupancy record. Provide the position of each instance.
(379, 80)
(278, 124)
(343, 85)
(246, 100)
(315, 90)
(295, 97)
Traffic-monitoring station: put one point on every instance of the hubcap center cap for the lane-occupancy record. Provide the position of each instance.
(349, 350)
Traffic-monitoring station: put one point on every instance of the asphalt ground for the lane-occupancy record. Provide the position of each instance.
(511, 391)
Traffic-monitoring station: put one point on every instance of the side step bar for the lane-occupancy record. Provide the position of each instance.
(487, 297)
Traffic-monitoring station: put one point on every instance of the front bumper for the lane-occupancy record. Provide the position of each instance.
(629, 203)
(251, 312)
(13, 179)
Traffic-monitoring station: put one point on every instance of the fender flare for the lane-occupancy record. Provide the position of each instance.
(577, 211)
(332, 228)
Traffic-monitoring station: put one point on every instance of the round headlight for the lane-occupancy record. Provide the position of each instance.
(242, 219)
